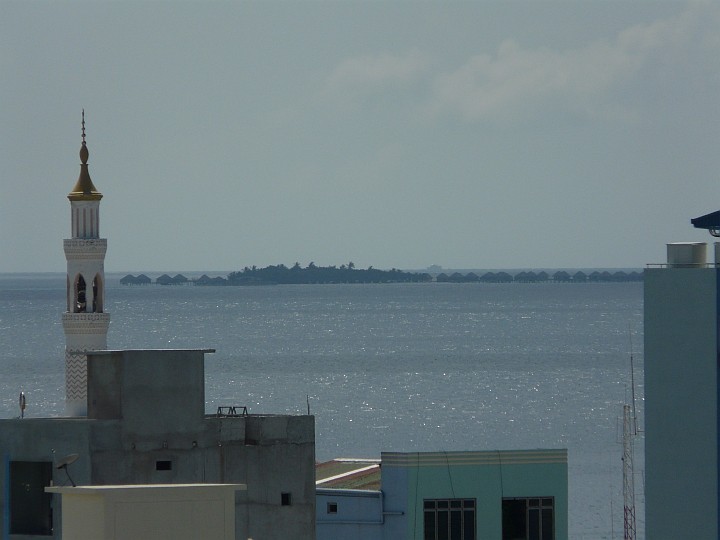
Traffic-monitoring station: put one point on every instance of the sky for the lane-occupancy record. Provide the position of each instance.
(397, 134)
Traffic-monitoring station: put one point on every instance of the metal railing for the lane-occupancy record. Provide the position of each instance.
(234, 410)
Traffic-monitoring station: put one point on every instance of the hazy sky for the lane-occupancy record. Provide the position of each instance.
(400, 134)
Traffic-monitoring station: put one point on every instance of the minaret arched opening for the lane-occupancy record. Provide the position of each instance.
(98, 289)
(80, 296)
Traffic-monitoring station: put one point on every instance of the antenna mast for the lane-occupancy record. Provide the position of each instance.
(632, 385)
(628, 478)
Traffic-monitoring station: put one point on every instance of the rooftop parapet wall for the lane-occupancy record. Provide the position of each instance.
(151, 390)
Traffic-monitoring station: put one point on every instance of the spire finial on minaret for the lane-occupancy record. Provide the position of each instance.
(84, 188)
(84, 153)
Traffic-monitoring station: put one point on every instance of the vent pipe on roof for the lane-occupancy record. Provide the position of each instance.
(687, 254)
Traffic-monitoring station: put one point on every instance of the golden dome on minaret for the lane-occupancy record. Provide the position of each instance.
(84, 189)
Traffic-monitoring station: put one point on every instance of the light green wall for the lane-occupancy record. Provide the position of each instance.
(488, 484)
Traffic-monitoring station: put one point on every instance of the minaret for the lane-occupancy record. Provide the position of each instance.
(85, 321)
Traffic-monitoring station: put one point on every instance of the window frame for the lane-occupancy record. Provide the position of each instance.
(453, 515)
(534, 513)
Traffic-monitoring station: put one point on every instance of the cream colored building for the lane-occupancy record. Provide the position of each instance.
(149, 512)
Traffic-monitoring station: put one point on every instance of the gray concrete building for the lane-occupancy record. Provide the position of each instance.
(146, 424)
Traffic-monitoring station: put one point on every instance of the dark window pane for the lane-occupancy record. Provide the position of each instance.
(430, 526)
(469, 525)
(547, 502)
(449, 519)
(535, 502)
(442, 526)
(533, 524)
(548, 532)
(456, 525)
(513, 519)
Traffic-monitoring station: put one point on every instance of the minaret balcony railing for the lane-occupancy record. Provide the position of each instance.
(79, 247)
(85, 323)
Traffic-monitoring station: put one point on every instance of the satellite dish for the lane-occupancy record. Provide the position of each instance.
(64, 462)
(67, 460)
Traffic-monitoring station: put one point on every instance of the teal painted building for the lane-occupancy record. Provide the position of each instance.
(489, 495)
(682, 389)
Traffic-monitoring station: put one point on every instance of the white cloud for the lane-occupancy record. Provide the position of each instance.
(516, 79)
(364, 75)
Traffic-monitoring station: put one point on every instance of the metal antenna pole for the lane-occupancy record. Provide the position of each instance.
(632, 384)
(628, 478)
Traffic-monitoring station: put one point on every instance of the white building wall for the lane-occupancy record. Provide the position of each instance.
(681, 392)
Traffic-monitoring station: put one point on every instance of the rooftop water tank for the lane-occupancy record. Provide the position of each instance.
(687, 255)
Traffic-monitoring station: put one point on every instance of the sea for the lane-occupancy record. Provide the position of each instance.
(383, 367)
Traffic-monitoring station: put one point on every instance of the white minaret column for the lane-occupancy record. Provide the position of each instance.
(85, 321)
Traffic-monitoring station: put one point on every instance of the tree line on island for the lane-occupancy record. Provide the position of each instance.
(347, 273)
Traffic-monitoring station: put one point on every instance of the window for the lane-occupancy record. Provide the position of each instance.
(30, 506)
(285, 499)
(332, 508)
(449, 519)
(528, 519)
(163, 465)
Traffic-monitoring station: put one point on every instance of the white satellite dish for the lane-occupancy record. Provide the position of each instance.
(64, 462)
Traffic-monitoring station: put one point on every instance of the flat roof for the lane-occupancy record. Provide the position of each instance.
(347, 473)
(99, 489)
(112, 351)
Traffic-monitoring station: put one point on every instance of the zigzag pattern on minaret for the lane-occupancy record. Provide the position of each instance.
(75, 375)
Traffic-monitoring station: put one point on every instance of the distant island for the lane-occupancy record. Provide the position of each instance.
(295, 275)
(347, 273)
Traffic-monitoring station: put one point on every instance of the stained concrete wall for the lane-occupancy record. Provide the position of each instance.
(150, 390)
